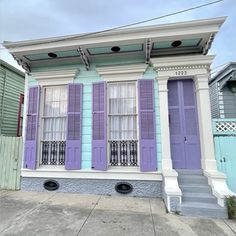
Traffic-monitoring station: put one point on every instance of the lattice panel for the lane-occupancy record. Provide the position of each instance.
(225, 126)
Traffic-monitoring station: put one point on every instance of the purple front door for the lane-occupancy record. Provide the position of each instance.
(183, 122)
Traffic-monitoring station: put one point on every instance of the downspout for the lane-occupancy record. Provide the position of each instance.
(2, 100)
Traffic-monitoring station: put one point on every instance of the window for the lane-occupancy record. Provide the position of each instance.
(54, 125)
(20, 116)
(122, 115)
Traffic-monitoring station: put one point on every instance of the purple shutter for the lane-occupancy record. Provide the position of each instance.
(74, 117)
(192, 143)
(148, 153)
(30, 155)
(99, 142)
(176, 124)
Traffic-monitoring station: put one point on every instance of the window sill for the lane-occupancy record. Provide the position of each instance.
(120, 173)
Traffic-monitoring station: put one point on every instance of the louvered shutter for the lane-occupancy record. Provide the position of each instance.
(74, 126)
(176, 124)
(30, 154)
(148, 154)
(99, 142)
(192, 143)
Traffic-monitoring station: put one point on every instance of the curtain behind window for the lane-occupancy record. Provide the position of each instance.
(54, 115)
(122, 111)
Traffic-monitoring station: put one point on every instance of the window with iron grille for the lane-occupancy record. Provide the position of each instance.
(122, 119)
(54, 115)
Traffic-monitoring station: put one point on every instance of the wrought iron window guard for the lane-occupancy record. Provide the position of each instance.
(53, 153)
(123, 153)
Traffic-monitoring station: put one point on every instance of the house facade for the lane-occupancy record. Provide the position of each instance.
(12, 86)
(223, 105)
(129, 105)
(223, 93)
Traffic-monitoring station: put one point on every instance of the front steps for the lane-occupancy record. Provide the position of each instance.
(197, 197)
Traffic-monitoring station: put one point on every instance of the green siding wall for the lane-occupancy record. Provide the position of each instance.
(11, 86)
(87, 78)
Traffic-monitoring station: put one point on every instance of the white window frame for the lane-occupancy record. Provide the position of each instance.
(137, 123)
(41, 123)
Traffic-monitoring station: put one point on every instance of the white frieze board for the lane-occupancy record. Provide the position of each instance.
(55, 77)
(122, 72)
(182, 66)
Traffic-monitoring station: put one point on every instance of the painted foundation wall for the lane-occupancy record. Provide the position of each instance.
(87, 78)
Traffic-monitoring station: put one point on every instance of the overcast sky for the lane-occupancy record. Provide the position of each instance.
(33, 19)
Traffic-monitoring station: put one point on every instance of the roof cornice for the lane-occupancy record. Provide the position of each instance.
(163, 30)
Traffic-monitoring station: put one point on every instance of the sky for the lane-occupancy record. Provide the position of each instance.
(33, 19)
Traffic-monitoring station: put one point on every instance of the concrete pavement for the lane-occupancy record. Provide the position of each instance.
(49, 214)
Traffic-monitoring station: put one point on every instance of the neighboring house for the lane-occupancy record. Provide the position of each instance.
(223, 92)
(129, 105)
(12, 85)
(223, 105)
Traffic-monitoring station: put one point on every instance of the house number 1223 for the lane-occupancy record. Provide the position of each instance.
(181, 72)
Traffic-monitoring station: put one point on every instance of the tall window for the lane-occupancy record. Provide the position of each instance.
(54, 125)
(122, 113)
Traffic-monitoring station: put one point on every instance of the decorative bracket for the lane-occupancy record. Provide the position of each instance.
(84, 58)
(208, 44)
(24, 65)
(148, 48)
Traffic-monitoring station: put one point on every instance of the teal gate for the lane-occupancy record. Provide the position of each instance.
(224, 131)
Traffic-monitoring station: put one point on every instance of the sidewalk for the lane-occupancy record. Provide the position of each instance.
(46, 214)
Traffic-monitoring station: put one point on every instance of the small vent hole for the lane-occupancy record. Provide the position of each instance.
(51, 185)
(123, 187)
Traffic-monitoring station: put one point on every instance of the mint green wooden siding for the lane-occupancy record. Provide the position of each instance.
(10, 162)
(87, 78)
(11, 86)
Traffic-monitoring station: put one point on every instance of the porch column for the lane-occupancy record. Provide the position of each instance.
(205, 122)
(216, 179)
(164, 124)
(171, 191)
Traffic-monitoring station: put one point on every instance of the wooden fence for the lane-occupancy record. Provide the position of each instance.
(10, 162)
(224, 131)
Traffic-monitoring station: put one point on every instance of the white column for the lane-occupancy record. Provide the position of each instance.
(205, 122)
(171, 191)
(164, 122)
(216, 179)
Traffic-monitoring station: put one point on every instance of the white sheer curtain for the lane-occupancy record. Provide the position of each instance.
(54, 113)
(122, 111)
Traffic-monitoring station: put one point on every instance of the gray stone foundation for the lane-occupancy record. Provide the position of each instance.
(141, 188)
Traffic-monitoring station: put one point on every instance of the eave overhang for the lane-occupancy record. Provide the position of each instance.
(142, 42)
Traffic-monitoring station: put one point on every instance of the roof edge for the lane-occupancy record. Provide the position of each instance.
(218, 20)
(10, 67)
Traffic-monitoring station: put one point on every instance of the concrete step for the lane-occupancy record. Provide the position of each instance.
(189, 172)
(207, 210)
(192, 179)
(199, 197)
(195, 188)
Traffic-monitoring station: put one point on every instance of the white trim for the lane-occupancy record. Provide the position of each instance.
(122, 72)
(56, 77)
(182, 66)
(111, 173)
(194, 28)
